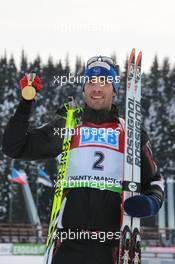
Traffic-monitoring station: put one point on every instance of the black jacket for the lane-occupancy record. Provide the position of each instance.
(86, 208)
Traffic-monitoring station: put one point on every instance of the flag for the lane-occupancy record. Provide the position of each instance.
(44, 179)
(18, 177)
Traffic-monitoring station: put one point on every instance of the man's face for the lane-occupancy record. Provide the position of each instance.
(98, 93)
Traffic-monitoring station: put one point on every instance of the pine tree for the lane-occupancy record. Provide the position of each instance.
(23, 64)
(8, 100)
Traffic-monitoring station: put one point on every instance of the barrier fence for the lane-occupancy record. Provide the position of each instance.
(25, 233)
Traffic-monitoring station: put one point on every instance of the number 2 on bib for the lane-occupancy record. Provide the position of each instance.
(98, 163)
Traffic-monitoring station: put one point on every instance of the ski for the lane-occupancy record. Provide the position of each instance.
(130, 240)
(135, 251)
(70, 124)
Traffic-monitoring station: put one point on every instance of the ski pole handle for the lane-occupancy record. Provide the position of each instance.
(71, 102)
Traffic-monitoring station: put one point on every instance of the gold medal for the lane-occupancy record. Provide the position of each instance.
(29, 92)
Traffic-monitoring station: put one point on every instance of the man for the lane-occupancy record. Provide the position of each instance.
(95, 159)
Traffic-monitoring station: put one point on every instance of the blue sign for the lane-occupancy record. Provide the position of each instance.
(99, 136)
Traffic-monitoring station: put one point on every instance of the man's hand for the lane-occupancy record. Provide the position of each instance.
(141, 206)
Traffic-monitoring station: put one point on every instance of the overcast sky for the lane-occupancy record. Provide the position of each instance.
(88, 28)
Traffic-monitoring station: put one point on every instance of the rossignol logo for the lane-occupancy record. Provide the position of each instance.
(133, 150)
(132, 186)
(138, 75)
(131, 72)
(130, 131)
(137, 133)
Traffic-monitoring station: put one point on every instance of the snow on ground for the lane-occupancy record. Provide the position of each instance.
(21, 259)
